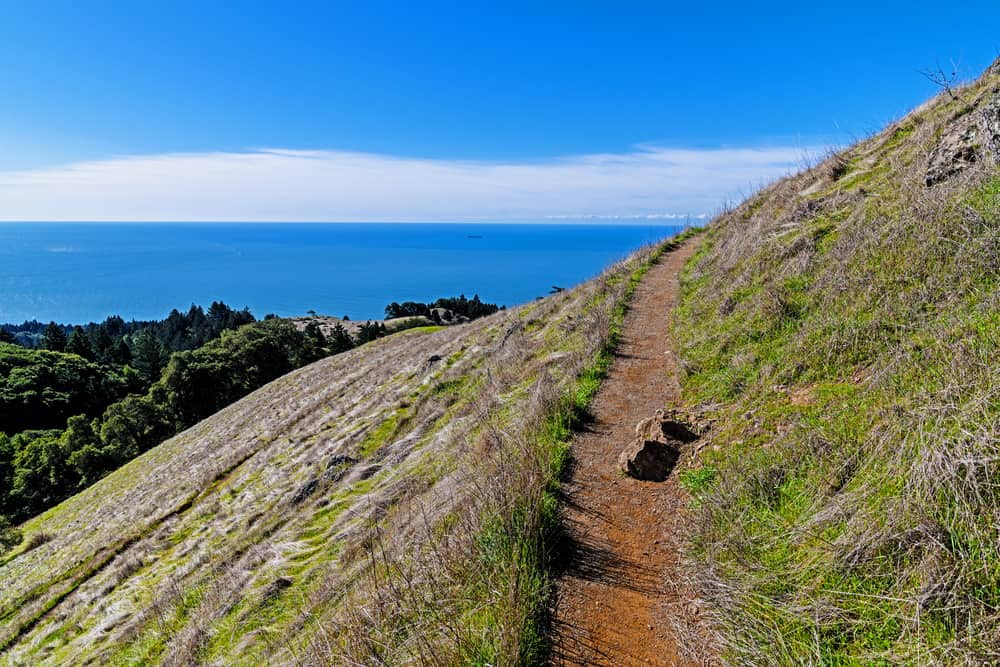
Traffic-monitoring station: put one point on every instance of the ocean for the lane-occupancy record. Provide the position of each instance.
(81, 272)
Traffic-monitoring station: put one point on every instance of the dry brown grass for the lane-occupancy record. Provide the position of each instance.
(346, 512)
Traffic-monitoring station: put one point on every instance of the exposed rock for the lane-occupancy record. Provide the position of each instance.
(955, 151)
(665, 428)
(656, 447)
(994, 69)
(991, 123)
(338, 467)
(649, 460)
(965, 142)
(305, 491)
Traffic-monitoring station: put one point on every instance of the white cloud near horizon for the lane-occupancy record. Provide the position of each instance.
(293, 185)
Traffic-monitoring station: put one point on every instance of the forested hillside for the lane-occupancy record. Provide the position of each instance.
(85, 404)
(117, 341)
(41, 466)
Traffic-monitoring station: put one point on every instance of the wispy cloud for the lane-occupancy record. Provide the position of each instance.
(277, 185)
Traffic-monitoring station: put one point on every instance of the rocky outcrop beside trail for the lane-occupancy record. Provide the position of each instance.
(967, 141)
(656, 447)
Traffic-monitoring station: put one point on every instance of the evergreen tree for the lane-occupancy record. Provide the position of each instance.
(121, 353)
(102, 343)
(367, 332)
(406, 309)
(79, 344)
(173, 331)
(219, 315)
(54, 337)
(148, 355)
(7, 337)
(339, 340)
(314, 333)
(460, 305)
(115, 326)
(199, 329)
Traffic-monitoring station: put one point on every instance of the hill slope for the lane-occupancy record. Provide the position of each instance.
(843, 329)
(387, 504)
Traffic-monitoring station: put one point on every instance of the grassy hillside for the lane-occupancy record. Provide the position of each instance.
(388, 505)
(842, 328)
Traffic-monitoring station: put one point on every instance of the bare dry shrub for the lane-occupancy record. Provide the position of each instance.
(37, 540)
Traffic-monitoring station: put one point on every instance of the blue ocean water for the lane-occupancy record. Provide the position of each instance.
(76, 272)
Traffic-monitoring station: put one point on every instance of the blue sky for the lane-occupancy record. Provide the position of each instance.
(113, 88)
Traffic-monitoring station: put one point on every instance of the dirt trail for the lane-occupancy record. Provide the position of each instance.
(614, 597)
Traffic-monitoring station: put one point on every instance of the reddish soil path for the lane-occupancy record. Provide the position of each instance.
(614, 597)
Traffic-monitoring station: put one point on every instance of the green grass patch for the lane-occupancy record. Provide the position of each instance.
(845, 357)
(384, 432)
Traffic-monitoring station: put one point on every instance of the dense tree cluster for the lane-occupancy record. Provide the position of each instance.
(77, 402)
(40, 467)
(82, 370)
(459, 305)
(339, 340)
(199, 383)
(113, 340)
(369, 331)
(41, 389)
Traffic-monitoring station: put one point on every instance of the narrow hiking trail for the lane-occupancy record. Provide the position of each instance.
(614, 597)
